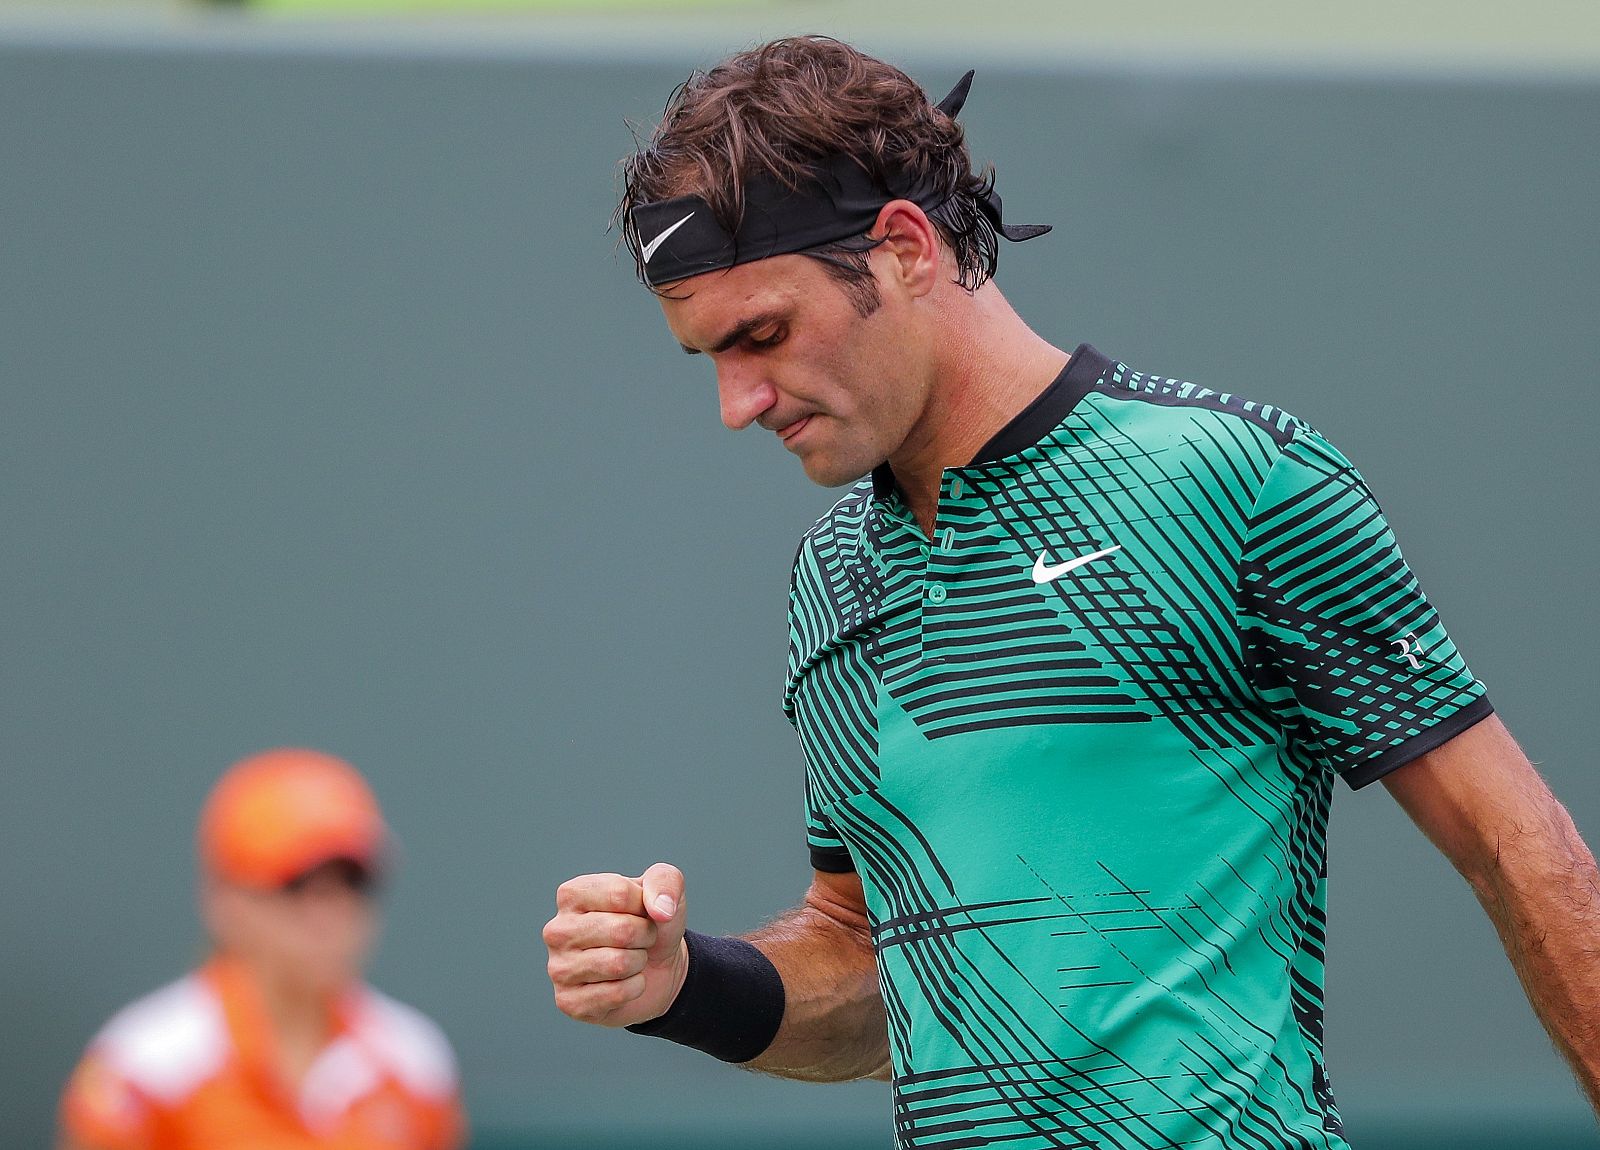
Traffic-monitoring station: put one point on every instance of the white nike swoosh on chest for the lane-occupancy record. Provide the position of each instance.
(1045, 573)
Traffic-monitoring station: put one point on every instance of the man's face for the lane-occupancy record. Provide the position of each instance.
(792, 354)
(315, 933)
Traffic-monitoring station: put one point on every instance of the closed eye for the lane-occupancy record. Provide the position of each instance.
(744, 333)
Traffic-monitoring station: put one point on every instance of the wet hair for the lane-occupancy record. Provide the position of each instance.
(779, 110)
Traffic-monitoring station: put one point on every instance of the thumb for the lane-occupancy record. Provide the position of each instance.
(663, 894)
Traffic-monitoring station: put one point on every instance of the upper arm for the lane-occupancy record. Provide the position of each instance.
(840, 897)
(450, 1126)
(101, 1110)
(1475, 794)
(1337, 639)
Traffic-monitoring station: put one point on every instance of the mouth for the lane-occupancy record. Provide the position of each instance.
(790, 431)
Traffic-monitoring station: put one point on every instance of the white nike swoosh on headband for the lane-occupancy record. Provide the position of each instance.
(650, 248)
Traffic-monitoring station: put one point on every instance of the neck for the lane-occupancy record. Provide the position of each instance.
(300, 1018)
(989, 367)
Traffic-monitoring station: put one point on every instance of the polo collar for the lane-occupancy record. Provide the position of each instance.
(244, 1011)
(1029, 426)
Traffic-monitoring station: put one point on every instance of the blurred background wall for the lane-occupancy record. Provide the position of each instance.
(329, 415)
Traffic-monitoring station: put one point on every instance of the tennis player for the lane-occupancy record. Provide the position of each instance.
(275, 1043)
(1075, 663)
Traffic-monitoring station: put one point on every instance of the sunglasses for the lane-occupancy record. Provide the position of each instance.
(347, 873)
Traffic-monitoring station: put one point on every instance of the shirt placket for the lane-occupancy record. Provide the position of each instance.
(926, 568)
(942, 567)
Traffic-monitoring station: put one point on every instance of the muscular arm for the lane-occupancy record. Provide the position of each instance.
(1481, 802)
(833, 1027)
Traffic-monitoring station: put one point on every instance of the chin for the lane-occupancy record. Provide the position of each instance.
(331, 977)
(826, 472)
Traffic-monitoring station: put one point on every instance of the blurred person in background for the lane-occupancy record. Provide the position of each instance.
(275, 1043)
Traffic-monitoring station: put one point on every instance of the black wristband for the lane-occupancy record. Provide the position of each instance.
(731, 1002)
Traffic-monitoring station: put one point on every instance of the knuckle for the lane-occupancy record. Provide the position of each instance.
(626, 990)
(610, 996)
(591, 1008)
(576, 1006)
(617, 964)
(576, 893)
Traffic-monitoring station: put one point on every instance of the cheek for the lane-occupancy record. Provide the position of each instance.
(838, 381)
(335, 929)
(855, 372)
(876, 364)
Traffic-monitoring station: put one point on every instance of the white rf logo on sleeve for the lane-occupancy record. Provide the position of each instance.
(1046, 573)
(1408, 646)
(649, 249)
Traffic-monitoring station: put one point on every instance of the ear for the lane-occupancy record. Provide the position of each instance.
(910, 241)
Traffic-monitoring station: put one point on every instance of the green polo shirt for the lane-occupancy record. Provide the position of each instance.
(1080, 746)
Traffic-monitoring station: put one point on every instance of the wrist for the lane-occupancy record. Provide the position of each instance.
(729, 1002)
(680, 973)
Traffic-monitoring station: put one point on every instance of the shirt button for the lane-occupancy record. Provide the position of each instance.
(936, 593)
(948, 539)
(955, 488)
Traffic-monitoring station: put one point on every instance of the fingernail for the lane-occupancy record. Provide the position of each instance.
(667, 905)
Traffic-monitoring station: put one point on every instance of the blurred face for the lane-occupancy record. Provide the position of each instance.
(794, 356)
(313, 935)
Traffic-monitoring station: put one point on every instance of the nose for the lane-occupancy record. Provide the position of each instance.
(743, 394)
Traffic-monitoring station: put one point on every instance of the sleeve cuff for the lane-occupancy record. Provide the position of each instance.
(832, 860)
(1435, 736)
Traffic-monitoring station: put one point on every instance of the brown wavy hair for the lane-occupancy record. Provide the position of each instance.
(783, 107)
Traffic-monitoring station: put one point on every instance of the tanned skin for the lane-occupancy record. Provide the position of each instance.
(617, 957)
(1482, 803)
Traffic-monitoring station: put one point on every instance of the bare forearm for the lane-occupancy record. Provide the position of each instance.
(1541, 889)
(1480, 801)
(833, 1027)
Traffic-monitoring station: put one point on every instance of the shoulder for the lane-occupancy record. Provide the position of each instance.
(1124, 393)
(1245, 448)
(168, 1043)
(842, 521)
(832, 541)
(410, 1043)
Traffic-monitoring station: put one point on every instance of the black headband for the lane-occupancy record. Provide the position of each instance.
(681, 237)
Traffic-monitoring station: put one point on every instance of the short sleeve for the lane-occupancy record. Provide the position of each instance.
(827, 849)
(828, 852)
(1338, 639)
(100, 1108)
(447, 1125)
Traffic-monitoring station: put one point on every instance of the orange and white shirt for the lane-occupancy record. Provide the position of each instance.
(191, 1067)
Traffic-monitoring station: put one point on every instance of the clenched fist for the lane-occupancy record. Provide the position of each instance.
(617, 954)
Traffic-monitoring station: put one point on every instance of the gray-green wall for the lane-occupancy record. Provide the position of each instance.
(329, 415)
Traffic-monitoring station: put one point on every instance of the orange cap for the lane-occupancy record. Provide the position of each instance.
(276, 815)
